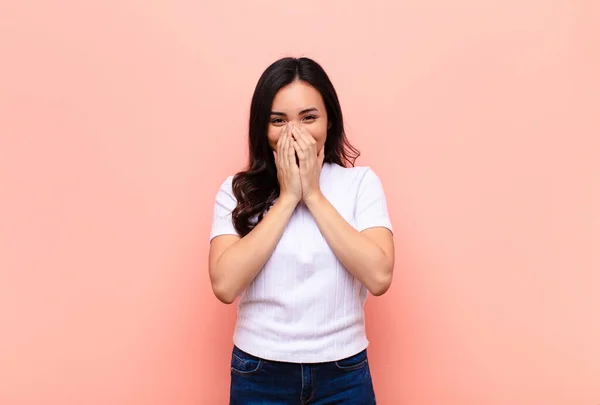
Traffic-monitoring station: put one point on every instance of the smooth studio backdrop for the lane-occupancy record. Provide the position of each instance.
(119, 119)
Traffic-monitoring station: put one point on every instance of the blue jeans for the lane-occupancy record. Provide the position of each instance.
(255, 381)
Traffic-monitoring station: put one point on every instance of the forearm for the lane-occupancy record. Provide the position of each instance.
(239, 264)
(358, 253)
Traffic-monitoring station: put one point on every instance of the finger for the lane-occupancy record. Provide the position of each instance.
(295, 132)
(305, 155)
(308, 144)
(280, 136)
(310, 140)
(300, 137)
(301, 154)
(278, 149)
(291, 153)
(284, 130)
(321, 155)
(284, 149)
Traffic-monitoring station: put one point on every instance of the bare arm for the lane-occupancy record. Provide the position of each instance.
(234, 262)
(368, 255)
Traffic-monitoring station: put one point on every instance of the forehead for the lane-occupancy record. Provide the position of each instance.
(297, 96)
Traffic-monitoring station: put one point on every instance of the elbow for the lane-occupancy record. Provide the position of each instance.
(220, 287)
(380, 288)
(381, 284)
(226, 296)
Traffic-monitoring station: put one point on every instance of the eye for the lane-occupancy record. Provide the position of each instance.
(310, 118)
(277, 121)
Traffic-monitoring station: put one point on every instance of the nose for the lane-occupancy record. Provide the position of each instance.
(295, 123)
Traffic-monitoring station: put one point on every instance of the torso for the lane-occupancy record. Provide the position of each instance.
(304, 306)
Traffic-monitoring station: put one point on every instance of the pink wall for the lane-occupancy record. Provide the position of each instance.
(119, 119)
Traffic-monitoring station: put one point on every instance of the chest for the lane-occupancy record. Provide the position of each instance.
(302, 244)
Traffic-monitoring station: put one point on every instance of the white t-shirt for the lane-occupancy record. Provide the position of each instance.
(304, 306)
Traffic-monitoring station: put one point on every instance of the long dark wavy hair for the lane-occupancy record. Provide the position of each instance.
(256, 188)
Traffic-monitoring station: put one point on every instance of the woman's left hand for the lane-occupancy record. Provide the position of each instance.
(310, 162)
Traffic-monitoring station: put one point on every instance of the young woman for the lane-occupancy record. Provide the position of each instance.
(301, 236)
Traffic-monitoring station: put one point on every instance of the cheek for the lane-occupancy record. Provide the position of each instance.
(273, 136)
(319, 132)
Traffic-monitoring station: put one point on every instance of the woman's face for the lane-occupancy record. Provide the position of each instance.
(302, 105)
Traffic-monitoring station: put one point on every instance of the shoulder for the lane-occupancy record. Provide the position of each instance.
(356, 174)
(228, 182)
(226, 186)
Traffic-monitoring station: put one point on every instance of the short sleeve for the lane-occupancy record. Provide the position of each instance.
(371, 206)
(225, 202)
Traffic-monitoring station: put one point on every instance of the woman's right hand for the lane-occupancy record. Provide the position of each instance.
(288, 172)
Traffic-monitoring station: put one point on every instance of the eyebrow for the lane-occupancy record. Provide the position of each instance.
(306, 110)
